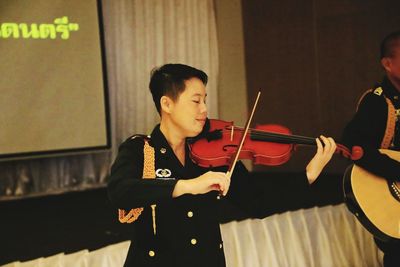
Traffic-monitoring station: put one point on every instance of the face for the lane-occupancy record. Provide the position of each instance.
(189, 112)
(392, 64)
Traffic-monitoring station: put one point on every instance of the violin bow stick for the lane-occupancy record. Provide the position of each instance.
(246, 129)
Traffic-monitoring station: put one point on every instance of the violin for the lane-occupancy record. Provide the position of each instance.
(268, 144)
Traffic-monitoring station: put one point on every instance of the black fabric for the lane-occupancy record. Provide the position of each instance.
(175, 230)
(172, 243)
(367, 129)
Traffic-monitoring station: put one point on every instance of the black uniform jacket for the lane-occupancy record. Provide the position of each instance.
(187, 227)
(367, 129)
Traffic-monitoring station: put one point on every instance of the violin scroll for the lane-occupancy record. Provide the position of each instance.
(356, 152)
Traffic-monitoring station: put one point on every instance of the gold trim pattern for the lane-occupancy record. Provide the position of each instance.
(390, 125)
(148, 173)
(391, 117)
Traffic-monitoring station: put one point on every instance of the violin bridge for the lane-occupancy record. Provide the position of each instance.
(232, 133)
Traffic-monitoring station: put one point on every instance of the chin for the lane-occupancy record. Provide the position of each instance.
(195, 131)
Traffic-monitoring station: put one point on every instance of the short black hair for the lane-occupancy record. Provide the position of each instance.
(389, 43)
(169, 80)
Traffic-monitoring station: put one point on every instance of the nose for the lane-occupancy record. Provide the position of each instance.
(203, 108)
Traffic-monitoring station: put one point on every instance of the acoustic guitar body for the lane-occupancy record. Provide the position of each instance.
(374, 200)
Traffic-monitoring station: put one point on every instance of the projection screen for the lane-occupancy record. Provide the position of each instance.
(53, 94)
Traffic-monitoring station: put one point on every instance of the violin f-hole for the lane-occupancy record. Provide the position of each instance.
(225, 147)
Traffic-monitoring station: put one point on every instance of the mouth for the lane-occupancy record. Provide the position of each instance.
(203, 121)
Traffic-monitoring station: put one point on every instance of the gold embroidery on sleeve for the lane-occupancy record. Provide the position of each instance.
(148, 173)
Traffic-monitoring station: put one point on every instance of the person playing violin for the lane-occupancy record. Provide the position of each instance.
(172, 202)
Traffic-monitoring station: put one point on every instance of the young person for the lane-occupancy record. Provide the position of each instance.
(172, 201)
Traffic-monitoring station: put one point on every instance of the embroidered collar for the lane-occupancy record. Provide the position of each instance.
(160, 142)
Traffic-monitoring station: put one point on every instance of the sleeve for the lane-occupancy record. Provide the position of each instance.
(126, 188)
(366, 129)
(260, 195)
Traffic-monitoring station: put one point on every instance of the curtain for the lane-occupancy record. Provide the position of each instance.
(329, 236)
(139, 35)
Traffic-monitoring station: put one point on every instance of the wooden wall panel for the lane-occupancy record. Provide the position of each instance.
(280, 61)
(313, 59)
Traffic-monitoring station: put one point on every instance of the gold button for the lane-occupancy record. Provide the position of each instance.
(190, 214)
(220, 245)
(193, 241)
(163, 150)
(152, 253)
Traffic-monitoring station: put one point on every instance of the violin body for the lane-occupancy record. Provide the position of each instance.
(268, 144)
(219, 151)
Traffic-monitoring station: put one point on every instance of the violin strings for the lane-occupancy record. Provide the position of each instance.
(292, 139)
(281, 137)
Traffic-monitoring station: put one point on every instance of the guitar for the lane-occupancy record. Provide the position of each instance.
(374, 200)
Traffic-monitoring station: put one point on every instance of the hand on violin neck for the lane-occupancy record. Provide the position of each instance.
(209, 181)
(325, 150)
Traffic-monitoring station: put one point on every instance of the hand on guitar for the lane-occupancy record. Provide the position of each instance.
(321, 158)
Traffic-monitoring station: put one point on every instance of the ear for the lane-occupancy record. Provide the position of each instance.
(386, 64)
(166, 104)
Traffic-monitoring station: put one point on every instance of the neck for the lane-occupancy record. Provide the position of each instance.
(394, 81)
(174, 139)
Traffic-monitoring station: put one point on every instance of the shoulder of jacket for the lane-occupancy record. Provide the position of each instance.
(375, 94)
(138, 139)
(140, 136)
(372, 98)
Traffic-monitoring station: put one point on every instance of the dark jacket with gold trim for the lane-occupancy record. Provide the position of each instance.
(187, 227)
(367, 129)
